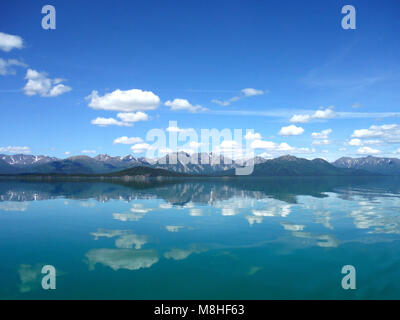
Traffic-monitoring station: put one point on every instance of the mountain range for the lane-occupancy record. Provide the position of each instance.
(195, 164)
(384, 166)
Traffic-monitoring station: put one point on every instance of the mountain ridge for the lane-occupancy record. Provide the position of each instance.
(193, 164)
(287, 165)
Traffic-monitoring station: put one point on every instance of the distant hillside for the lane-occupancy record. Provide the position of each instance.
(205, 164)
(144, 171)
(73, 165)
(293, 166)
(7, 168)
(385, 166)
(135, 172)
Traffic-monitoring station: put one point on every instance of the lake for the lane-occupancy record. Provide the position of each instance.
(234, 238)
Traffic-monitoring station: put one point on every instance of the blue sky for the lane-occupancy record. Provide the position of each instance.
(292, 57)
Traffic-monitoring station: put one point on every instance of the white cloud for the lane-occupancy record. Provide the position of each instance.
(300, 118)
(247, 92)
(389, 133)
(39, 84)
(183, 104)
(321, 142)
(15, 149)
(291, 130)
(133, 117)
(274, 148)
(179, 130)
(67, 153)
(262, 144)
(126, 140)
(6, 66)
(9, 42)
(368, 150)
(324, 134)
(319, 114)
(355, 142)
(226, 102)
(141, 147)
(252, 136)
(124, 101)
(104, 122)
(323, 114)
(322, 138)
(359, 142)
(88, 151)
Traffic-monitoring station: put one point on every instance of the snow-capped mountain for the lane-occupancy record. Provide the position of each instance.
(385, 166)
(196, 163)
(25, 159)
(181, 162)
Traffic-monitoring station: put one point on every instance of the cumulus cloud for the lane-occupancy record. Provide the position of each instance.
(15, 149)
(368, 150)
(276, 148)
(9, 42)
(358, 142)
(105, 122)
(322, 138)
(252, 136)
(141, 148)
(324, 134)
(389, 133)
(176, 129)
(7, 66)
(183, 104)
(88, 151)
(126, 140)
(319, 115)
(291, 130)
(300, 118)
(124, 101)
(247, 92)
(133, 117)
(39, 84)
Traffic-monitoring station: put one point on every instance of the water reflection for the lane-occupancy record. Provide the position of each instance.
(118, 259)
(202, 231)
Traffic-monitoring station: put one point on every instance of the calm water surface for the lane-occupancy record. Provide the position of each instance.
(206, 239)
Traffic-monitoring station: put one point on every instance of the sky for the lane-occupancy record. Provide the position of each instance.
(113, 73)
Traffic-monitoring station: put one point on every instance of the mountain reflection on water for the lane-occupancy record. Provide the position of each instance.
(247, 237)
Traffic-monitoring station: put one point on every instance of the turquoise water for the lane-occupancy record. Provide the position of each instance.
(205, 239)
